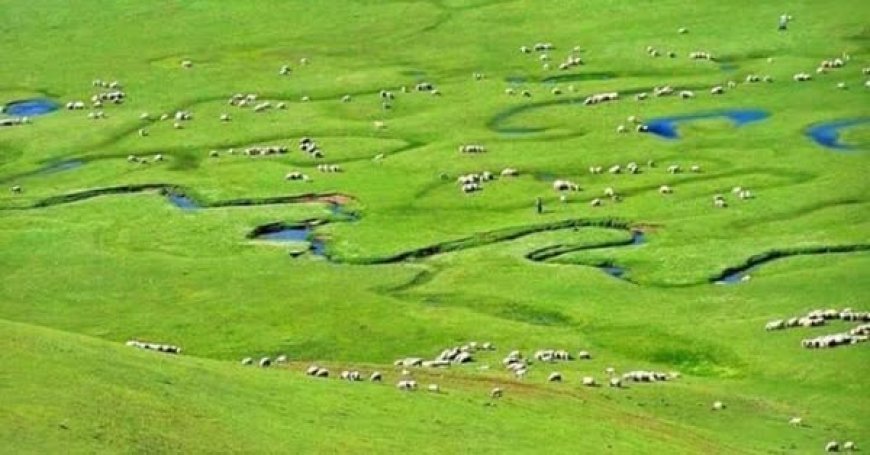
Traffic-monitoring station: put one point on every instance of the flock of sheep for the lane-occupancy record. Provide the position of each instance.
(514, 362)
(159, 347)
(817, 318)
(461, 354)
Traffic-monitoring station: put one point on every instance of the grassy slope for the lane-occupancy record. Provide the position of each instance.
(82, 395)
(133, 266)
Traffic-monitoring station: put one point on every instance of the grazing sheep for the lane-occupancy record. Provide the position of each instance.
(695, 168)
(595, 202)
(621, 129)
(849, 445)
(554, 377)
(775, 325)
(565, 185)
(509, 172)
(322, 373)
(375, 376)
(674, 169)
(682, 30)
(686, 94)
(434, 388)
(842, 86)
(143, 132)
(345, 99)
(510, 91)
(281, 359)
(407, 384)
(16, 189)
(832, 446)
(247, 361)
(795, 421)
(609, 192)
(641, 96)
(745, 194)
(158, 157)
(589, 381)
(496, 393)
(584, 355)
(665, 189)
(642, 129)
(615, 382)
(663, 91)
(718, 406)
(717, 90)
(802, 77)
(265, 362)
(526, 93)
(186, 64)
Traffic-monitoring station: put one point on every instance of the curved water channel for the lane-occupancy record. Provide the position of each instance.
(305, 231)
(827, 134)
(666, 127)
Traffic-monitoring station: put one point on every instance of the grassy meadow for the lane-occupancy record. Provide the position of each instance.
(94, 253)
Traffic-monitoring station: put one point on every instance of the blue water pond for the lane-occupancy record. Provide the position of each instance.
(183, 202)
(666, 127)
(30, 108)
(828, 134)
(300, 233)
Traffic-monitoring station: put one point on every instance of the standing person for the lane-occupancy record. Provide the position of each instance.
(783, 22)
(539, 205)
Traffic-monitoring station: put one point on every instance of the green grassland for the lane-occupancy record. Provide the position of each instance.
(95, 255)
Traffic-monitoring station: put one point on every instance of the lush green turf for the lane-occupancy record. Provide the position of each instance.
(425, 266)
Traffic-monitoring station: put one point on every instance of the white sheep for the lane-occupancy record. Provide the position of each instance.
(407, 384)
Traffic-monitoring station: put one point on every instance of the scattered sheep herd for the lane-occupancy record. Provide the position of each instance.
(519, 365)
(514, 361)
(817, 318)
(462, 354)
